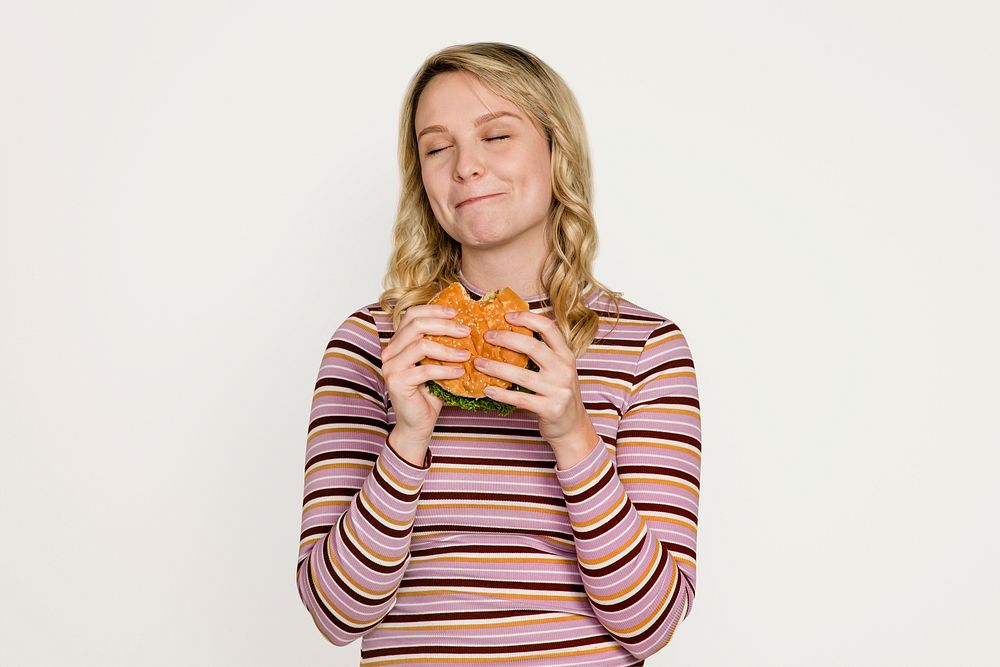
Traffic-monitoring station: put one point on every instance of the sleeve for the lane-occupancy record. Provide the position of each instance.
(359, 496)
(634, 513)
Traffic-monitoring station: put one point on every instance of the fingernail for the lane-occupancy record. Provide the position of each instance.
(450, 311)
(490, 335)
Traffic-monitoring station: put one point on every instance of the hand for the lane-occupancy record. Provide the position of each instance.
(562, 417)
(416, 408)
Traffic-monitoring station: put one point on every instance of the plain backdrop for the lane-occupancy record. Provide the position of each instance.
(194, 196)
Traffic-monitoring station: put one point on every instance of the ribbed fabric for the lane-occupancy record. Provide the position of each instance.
(488, 553)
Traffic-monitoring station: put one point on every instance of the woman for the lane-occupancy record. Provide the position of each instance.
(563, 533)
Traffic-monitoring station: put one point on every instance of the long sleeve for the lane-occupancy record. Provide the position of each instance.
(634, 514)
(359, 496)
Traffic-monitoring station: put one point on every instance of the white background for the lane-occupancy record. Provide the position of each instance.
(194, 195)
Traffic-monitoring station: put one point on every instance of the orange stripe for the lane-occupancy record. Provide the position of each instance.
(493, 594)
(680, 523)
(676, 411)
(626, 544)
(663, 445)
(663, 482)
(487, 559)
(618, 502)
(386, 520)
(640, 580)
(347, 394)
(600, 472)
(476, 626)
(663, 603)
(516, 506)
(615, 351)
(445, 469)
(372, 593)
(314, 507)
(389, 476)
(337, 354)
(486, 659)
(364, 467)
(343, 429)
(489, 440)
(616, 386)
(660, 376)
(328, 603)
(675, 336)
(358, 543)
(421, 534)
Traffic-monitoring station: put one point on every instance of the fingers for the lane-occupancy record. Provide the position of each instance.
(422, 349)
(548, 330)
(403, 375)
(417, 322)
(418, 375)
(425, 348)
(425, 310)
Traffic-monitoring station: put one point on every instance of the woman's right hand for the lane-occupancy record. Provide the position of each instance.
(416, 408)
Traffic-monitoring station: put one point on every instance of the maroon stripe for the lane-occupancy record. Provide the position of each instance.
(488, 650)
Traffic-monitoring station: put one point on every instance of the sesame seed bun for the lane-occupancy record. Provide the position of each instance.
(480, 316)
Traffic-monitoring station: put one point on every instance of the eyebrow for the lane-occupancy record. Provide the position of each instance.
(479, 121)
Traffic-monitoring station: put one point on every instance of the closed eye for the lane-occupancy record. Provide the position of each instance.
(499, 137)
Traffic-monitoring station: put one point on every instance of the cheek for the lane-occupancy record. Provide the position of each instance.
(433, 190)
(437, 197)
(538, 179)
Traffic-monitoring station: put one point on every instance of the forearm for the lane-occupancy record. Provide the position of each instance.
(350, 578)
(635, 585)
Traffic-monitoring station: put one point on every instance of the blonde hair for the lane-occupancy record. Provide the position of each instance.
(425, 259)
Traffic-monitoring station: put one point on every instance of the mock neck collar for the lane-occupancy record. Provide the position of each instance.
(590, 292)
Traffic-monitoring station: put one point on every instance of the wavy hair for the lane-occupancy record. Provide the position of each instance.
(425, 259)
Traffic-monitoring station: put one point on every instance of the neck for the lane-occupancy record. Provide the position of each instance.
(515, 266)
(488, 279)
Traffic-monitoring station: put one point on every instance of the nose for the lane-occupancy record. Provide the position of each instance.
(468, 164)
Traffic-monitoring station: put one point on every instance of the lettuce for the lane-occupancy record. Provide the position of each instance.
(484, 404)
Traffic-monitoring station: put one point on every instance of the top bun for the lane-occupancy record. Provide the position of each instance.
(480, 316)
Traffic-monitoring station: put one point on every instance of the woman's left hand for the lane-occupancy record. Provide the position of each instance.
(562, 418)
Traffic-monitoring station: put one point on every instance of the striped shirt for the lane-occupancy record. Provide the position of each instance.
(488, 554)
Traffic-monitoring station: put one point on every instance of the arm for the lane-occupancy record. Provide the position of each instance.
(360, 496)
(634, 514)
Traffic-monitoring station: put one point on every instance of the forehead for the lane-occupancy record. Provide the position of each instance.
(457, 98)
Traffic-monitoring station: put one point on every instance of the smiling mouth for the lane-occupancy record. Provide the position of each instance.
(478, 199)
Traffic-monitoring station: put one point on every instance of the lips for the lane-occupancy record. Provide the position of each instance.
(473, 200)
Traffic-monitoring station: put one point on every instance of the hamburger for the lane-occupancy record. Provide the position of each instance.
(488, 313)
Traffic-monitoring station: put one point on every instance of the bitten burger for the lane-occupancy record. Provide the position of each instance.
(488, 313)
